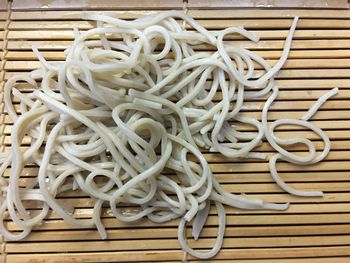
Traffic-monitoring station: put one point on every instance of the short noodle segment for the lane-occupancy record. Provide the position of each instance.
(123, 120)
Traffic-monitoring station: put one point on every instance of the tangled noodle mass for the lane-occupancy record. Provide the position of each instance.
(125, 118)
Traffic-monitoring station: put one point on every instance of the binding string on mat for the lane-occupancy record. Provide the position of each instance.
(3, 250)
(2, 71)
(185, 9)
(2, 114)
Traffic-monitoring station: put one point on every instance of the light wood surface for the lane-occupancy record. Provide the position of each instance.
(311, 230)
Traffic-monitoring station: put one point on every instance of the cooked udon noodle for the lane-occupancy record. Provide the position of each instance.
(124, 118)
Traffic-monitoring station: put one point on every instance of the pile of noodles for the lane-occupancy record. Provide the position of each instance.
(124, 119)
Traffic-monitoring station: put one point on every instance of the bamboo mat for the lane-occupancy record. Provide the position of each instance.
(311, 230)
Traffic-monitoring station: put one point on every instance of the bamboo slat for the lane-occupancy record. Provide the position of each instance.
(50, 44)
(312, 230)
(269, 54)
(207, 4)
(131, 245)
(3, 4)
(232, 255)
(290, 64)
(234, 13)
(209, 24)
(97, 4)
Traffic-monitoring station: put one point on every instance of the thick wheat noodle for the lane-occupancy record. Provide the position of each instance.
(124, 121)
(311, 158)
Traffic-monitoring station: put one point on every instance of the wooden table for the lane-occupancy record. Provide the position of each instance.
(311, 230)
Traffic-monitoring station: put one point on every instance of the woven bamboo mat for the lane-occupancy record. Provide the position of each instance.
(311, 230)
